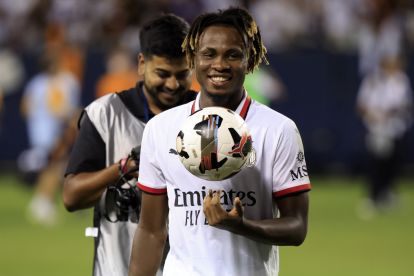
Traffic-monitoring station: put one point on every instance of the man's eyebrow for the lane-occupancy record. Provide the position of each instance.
(161, 70)
(206, 49)
(183, 71)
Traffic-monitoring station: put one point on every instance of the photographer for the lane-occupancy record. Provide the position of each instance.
(98, 173)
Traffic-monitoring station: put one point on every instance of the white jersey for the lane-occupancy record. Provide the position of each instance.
(195, 247)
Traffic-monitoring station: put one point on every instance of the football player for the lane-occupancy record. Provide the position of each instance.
(236, 229)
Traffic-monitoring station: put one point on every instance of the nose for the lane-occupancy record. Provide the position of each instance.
(172, 83)
(220, 63)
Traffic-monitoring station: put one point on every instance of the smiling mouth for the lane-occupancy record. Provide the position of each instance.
(219, 80)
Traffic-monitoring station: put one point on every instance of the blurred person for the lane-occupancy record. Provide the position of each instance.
(385, 105)
(43, 206)
(120, 73)
(71, 56)
(236, 229)
(99, 173)
(49, 100)
(381, 34)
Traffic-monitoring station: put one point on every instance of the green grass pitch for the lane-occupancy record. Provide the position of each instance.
(338, 243)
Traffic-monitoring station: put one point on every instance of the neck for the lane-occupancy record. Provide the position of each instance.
(227, 101)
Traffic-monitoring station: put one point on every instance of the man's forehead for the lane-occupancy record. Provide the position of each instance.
(164, 59)
(218, 33)
(168, 63)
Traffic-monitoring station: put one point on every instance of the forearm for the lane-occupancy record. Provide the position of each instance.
(83, 190)
(142, 262)
(289, 228)
(278, 231)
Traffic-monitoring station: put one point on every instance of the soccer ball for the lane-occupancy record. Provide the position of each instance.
(214, 143)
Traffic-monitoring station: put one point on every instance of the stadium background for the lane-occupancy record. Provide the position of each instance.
(321, 96)
(321, 84)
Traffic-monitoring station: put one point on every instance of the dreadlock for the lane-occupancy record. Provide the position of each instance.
(238, 18)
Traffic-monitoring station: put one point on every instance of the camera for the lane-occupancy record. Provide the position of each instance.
(123, 199)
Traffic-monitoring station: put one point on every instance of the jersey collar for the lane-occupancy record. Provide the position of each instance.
(242, 109)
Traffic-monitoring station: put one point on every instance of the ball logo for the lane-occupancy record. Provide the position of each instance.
(208, 129)
(242, 144)
(180, 146)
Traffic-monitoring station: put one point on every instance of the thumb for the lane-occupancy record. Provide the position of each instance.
(237, 207)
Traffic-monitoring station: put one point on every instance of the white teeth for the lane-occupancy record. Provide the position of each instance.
(219, 79)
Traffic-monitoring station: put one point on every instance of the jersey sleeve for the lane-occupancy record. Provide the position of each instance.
(88, 152)
(290, 174)
(151, 178)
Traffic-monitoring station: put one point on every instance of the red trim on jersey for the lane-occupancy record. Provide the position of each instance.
(243, 111)
(245, 108)
(300, 188)
(151, 190)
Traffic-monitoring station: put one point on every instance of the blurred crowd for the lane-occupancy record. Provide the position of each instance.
(74, 26)
(286, 24)
(61, 34)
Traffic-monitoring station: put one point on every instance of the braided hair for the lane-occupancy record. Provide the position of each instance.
(237, 18)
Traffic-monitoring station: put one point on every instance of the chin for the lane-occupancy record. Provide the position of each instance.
(170, 104)
(219, 92)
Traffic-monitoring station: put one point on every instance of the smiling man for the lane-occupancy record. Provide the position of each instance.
(110, 128)
(236, 229)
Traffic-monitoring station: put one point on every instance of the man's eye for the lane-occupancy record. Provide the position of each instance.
(162, 75)
(235, 55)
(182, 76)
(207, 55)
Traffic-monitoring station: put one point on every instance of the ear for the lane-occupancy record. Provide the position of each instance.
(141, 64)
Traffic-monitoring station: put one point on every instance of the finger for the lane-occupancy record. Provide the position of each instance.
(208, 195)
(216, 197)
(207, 200)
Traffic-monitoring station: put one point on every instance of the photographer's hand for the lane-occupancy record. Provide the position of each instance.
(128, 167)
